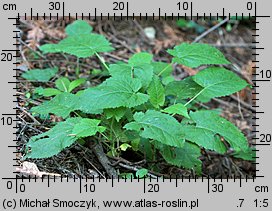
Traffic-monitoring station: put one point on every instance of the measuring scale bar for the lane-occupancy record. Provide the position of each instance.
(148, 193)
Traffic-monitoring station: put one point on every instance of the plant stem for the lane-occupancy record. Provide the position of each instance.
(77, 68)
(165, 68)
(102, 61)
(111, 124)
(104, 136)
(104, 142)
(78, 115)
(111, 136)
(175, 101)
(131, 72)
(194, 97)
(110, 147)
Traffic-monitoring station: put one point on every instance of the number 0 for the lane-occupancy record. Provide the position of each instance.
(249, 6)
(9, 185)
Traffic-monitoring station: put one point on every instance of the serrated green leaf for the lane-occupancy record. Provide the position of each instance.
(143, 72)
(116, 70)
(218, 82)
(135, 144)
(184, 89)
(57, 138)
(38, 90)
(78, 27)
(156, 92)
(119, 134)
(87, 127)
(248, 154)
(61, 105)
(196, 54)
(187, 156)
(47, 92)
(177, 109)
(218, 145)
(162, 68)
(167, 80)
(80, 92)
(204, 138)
(41, 75)
(63, 84)
(76, 83)
(140, 58)
(116, 113)
(82, 46)
(158, 126)
(146, 148)
(211, 121)
(112, 93)
(51, 48)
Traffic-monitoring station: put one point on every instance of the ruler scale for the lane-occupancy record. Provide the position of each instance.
(149, 193)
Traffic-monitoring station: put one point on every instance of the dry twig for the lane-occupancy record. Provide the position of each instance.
(211, 29)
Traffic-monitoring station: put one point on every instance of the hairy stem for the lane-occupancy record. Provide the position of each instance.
(194, 97)
(111, 137)
(102, 61)
(77, 68)
(164, 69)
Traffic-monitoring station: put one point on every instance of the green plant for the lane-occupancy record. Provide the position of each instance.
(62, 85)
(40, 75)
(139, 107)
(190, 24)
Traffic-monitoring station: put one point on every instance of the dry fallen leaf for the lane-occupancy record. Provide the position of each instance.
(162, 44)
(171, 40)
(170, 32)
(31, 169)
(34, 36)
(189, 70)
(247, 71)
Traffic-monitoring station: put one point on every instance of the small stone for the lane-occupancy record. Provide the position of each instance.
(150, 32)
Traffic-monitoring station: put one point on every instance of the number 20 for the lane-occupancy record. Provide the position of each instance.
(118, 5)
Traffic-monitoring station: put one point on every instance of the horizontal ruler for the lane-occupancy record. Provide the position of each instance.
(99, 9)
(144, 193)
